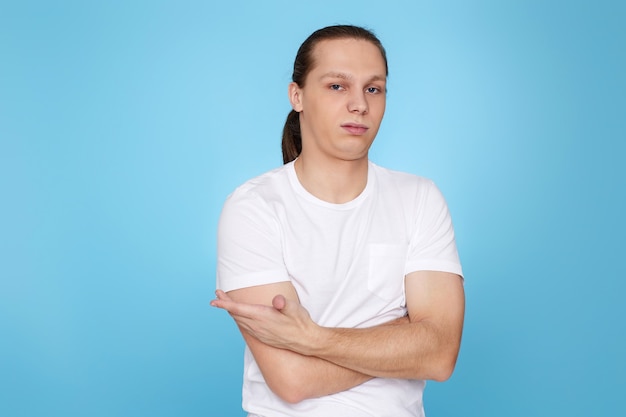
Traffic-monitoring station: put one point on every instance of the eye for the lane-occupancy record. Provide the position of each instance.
(336, 87)
(373, 90)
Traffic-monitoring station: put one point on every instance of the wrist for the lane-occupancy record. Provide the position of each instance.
(315, 340)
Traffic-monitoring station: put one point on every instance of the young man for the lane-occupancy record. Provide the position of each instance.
(342, 276)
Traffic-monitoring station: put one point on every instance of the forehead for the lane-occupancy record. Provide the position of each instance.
(353, 56)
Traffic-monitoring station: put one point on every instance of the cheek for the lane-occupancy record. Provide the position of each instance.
(377, 112)
(380, 109)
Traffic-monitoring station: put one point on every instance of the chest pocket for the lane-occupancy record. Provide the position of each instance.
(386, 270)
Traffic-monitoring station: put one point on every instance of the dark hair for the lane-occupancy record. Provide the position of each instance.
(292, 138)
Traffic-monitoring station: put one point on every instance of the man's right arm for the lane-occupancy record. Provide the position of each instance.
(248, 231)
(291, 376)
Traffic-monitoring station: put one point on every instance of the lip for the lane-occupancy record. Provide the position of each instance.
(355, 128)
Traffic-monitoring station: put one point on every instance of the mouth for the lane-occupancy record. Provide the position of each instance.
(355, 128)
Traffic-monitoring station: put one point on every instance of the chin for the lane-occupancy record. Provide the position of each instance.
(353, 155)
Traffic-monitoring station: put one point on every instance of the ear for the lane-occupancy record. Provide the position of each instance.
(295, 96)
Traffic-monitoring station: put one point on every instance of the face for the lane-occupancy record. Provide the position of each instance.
(343, 100)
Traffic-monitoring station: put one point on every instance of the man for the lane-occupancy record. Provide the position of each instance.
(342, 276)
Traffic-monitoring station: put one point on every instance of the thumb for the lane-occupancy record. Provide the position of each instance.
(279, 302)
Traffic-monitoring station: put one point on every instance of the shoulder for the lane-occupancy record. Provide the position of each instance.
(256, 202)
(403, 182)
(416, 194)
(263, 187)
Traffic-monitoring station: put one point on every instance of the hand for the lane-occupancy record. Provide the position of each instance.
(285, 324)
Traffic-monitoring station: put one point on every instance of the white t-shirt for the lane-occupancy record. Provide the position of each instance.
(347, 263)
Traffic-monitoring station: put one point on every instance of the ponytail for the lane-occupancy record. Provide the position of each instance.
(292, 139)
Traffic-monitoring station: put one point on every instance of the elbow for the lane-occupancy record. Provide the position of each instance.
(444, 367)
(443, 361)
(442, 373)
(290, 395)
(290, 390)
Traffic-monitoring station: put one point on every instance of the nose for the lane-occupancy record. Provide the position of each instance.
(358, 103)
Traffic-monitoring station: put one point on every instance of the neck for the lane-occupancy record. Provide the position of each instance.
(336, 181)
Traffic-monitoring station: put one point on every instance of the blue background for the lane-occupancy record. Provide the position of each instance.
(124, 126)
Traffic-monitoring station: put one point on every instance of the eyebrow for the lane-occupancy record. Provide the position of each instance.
(345, 76)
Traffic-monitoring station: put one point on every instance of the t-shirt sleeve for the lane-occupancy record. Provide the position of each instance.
(249, 250)
(432, 245)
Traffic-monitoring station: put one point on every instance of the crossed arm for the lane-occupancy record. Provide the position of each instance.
(301, 360)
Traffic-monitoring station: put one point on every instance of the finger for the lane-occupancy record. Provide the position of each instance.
(222, 295)
(251, 311)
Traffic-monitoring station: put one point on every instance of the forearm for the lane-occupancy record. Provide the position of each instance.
(295, 377)
(411, 351)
